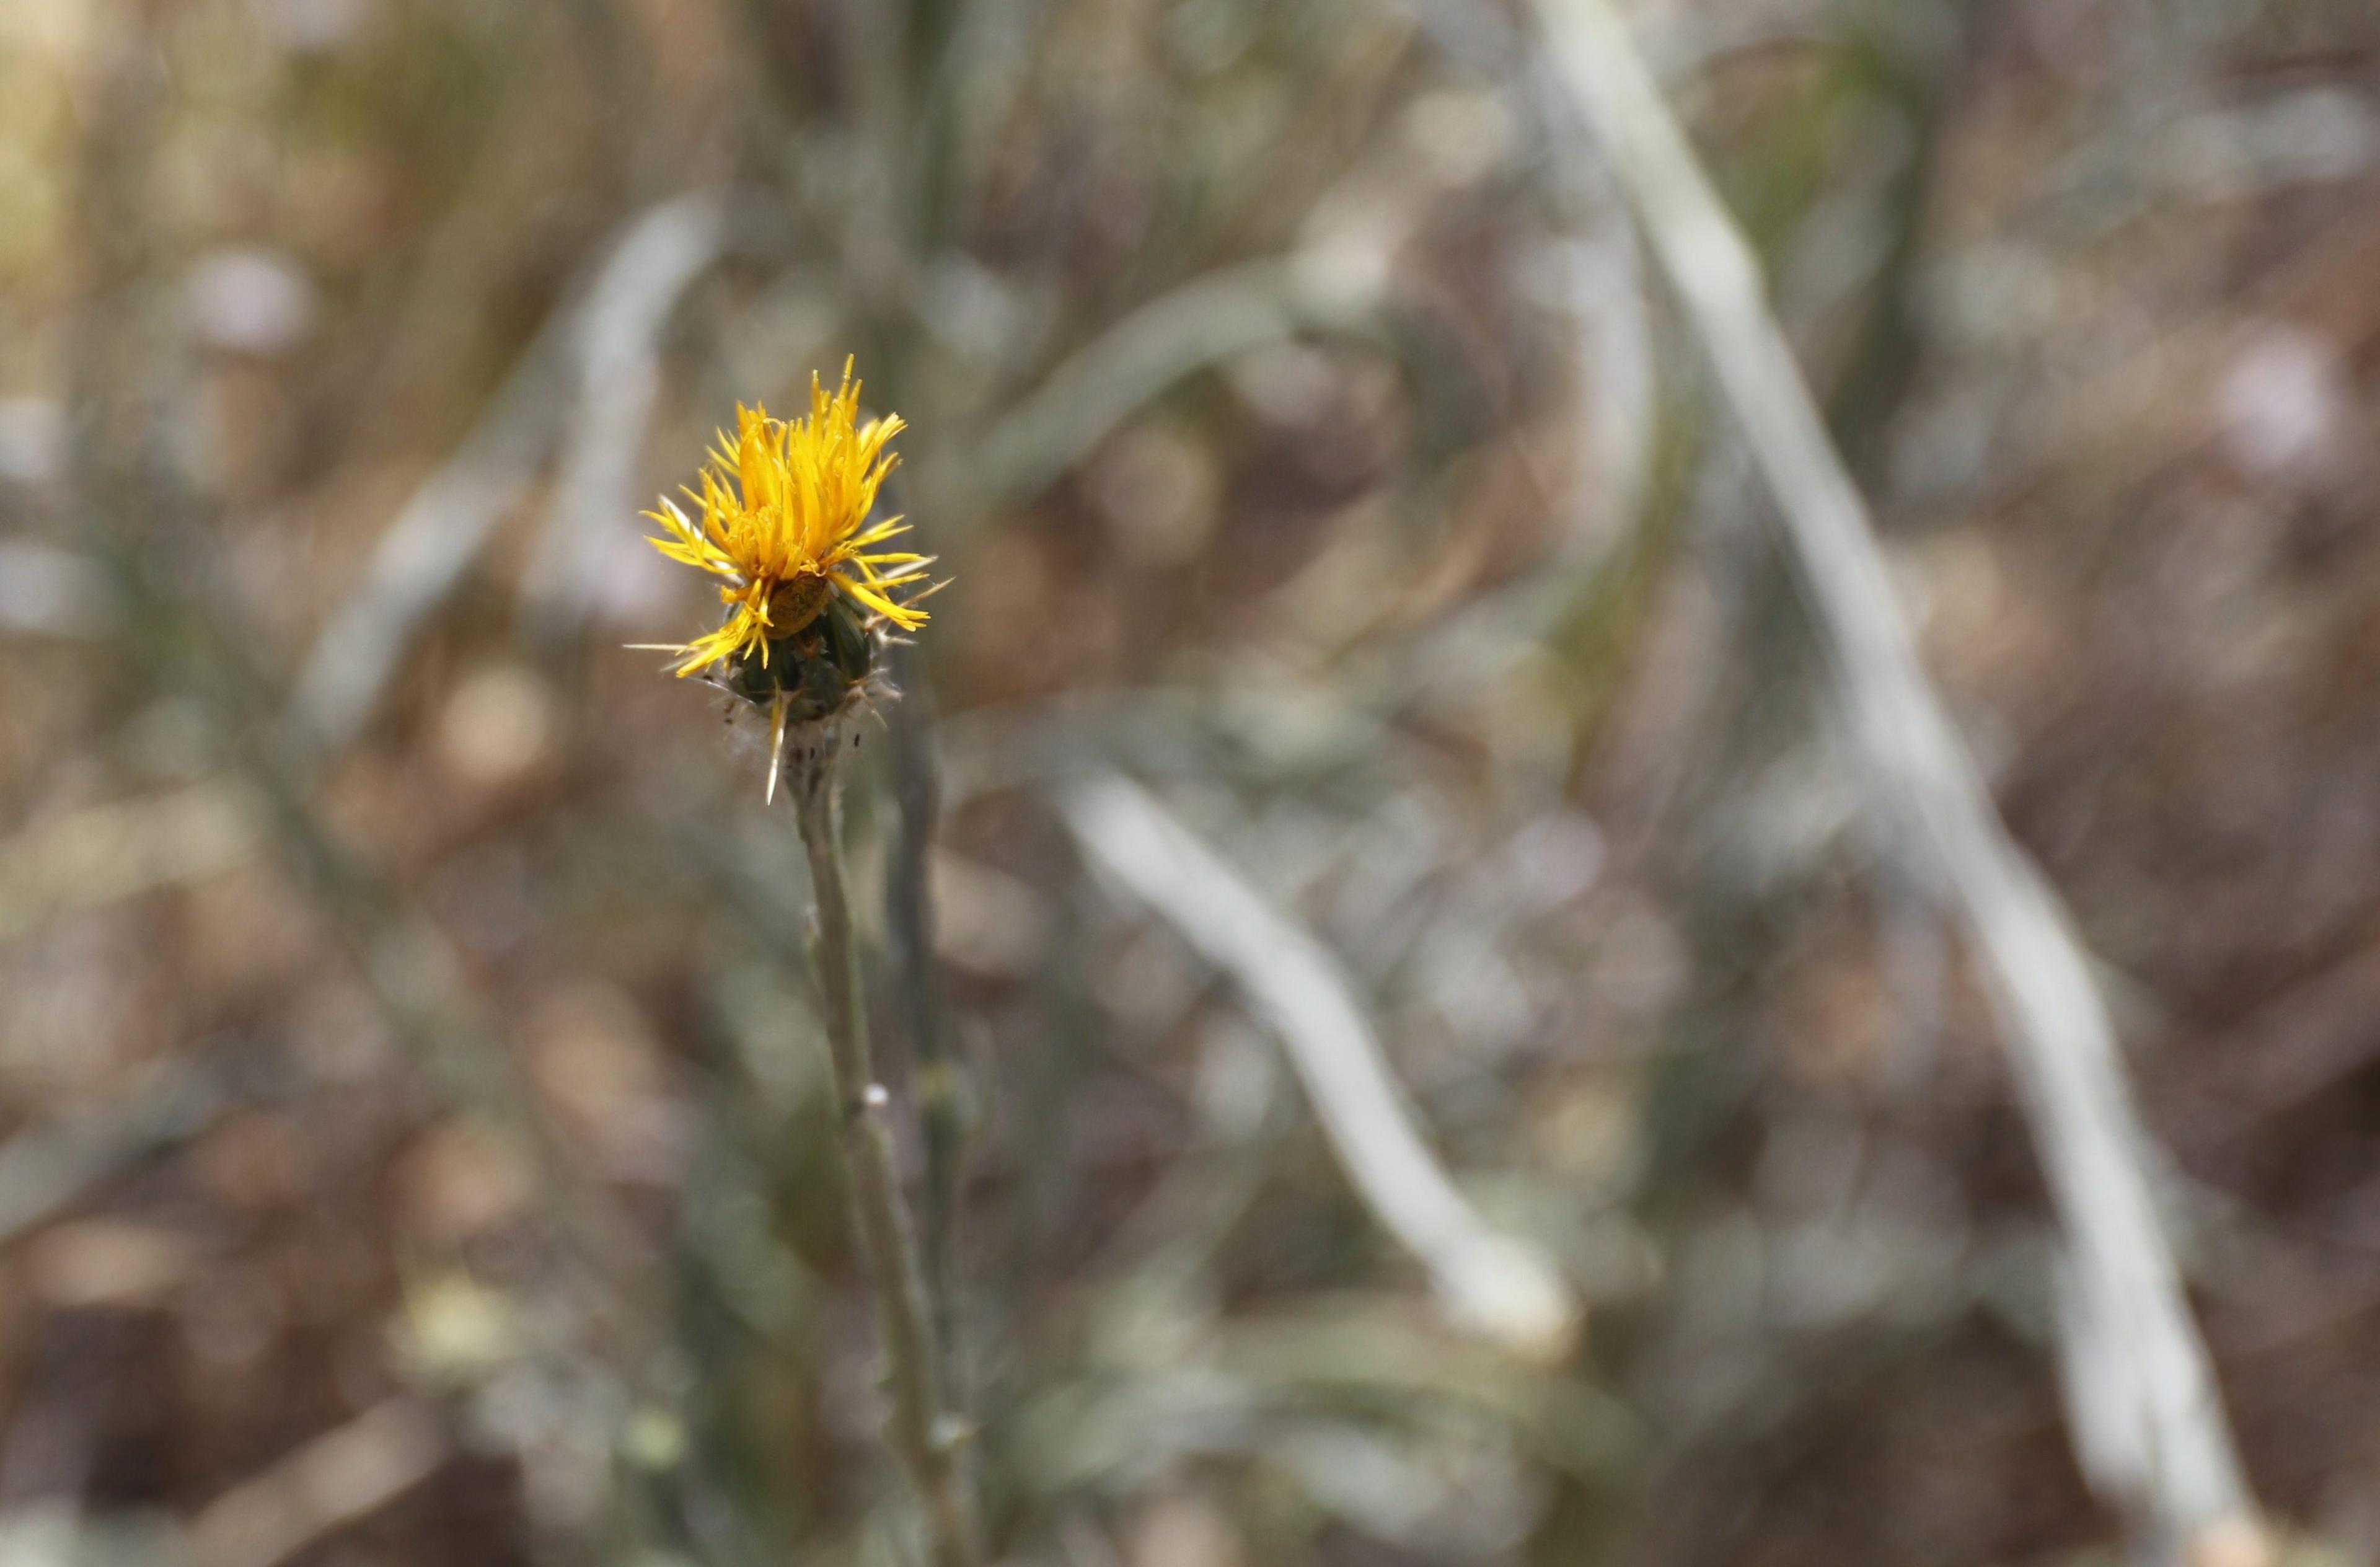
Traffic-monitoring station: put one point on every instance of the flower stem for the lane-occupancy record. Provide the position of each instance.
(938, 1076)
(923, 1431)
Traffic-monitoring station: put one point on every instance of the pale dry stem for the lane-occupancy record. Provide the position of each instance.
(924, 1431)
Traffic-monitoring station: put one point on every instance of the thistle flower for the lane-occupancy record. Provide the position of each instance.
(785, 524)
(811, 599)
(784, 507)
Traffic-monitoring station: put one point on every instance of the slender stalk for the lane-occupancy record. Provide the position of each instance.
(923, 1431)
(938, 1076)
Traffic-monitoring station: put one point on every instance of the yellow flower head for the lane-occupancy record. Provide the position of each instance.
(784, 509)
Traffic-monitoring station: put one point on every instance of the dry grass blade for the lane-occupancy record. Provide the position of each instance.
(432, 544)
(1493, 1283)
(2147, 1419)
(103, 853)
(427, 550)
(331, 1481)
(1200, 324)
(48, 1168)
(619, 376)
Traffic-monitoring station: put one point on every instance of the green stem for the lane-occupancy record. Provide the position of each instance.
(923, 1432)
(938, 1078)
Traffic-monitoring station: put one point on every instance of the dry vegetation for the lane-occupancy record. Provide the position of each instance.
(417, 1146)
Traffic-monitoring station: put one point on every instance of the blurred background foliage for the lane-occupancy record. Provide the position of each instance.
(415, 1145)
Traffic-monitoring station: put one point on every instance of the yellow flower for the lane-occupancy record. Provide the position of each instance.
(783, 508)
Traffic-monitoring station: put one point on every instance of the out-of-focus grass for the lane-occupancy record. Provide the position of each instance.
(1303, 439)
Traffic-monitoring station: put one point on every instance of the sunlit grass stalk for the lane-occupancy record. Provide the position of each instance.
(924, 1431)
